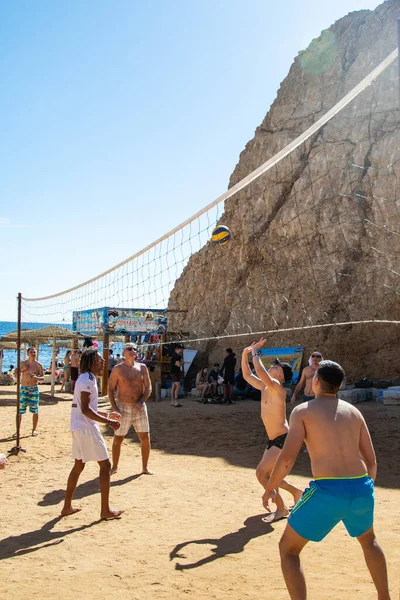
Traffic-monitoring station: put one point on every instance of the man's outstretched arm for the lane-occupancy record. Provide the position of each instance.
(261, 371)
(247, 374)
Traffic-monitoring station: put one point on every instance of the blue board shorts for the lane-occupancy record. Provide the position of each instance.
(29, 396)
(330, 500)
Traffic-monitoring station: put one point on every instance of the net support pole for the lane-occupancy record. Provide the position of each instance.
(53, 368)
(18, 366)
(18, 448)
(104, 383)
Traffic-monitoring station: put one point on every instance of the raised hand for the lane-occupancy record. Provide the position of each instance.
(258, 345)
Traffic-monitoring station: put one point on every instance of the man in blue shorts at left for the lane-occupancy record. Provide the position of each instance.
(31, 372)
(344, 467)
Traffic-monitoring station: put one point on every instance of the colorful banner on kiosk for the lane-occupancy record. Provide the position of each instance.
(293, 355)
(119, 321)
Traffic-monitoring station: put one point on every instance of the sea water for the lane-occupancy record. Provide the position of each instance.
(45, 351)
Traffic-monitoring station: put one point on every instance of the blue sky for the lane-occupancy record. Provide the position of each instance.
(120, 120)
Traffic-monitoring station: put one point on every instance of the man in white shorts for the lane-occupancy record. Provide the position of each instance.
(87, 442)
(132, 382)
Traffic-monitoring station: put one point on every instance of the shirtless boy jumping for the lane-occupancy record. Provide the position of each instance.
(132, 381)
(343, 464)
(273, 415)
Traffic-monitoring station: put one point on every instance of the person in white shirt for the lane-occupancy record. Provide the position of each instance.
(87, 442)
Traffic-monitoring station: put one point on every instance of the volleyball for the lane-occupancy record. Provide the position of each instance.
(221, 235)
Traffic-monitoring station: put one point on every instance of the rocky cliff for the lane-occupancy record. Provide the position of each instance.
(316, 240)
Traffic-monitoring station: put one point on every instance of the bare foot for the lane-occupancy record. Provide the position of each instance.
(69, 511)
(276, 516)
(34, 433)
(147, 471)
(111, 514)
(114, 470)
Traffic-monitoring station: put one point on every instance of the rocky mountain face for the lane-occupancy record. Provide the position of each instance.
(316, 239)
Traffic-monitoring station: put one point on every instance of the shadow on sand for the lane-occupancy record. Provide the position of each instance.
(231, 543)
(17, 545)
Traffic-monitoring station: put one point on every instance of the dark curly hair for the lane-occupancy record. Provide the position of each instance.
(88, 359)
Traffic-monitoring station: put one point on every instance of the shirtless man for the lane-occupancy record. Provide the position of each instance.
(343, 464)
(307, 377)
(132, 381)
(273, 415)
(31, 372)
(75, 358)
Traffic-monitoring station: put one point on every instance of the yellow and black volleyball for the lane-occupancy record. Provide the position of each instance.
(221, 235)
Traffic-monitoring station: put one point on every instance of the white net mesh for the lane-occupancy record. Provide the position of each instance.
(323, 178)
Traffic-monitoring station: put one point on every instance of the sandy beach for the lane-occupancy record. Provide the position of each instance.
(194, 529)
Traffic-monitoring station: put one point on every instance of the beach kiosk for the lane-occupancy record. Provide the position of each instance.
(145, 326)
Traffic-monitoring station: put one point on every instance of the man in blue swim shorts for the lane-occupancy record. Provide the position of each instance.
(344, 468)
(31, 372)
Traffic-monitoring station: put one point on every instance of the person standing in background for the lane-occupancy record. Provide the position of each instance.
(228, 371)
(307, 378)
(66, 370)
(176, 365)
(111, 361)
(75, 357)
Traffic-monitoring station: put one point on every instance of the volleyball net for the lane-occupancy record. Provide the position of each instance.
(309, 218)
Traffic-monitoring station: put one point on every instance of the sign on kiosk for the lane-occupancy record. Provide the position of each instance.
(119, 321)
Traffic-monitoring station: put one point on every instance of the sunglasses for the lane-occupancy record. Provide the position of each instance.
(131, 349)
(316, 356)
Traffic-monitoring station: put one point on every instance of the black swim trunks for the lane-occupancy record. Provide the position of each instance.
(278, 441)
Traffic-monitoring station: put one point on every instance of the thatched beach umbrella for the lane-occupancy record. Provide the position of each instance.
(43, 335)
(8, 345)
(28, 336)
